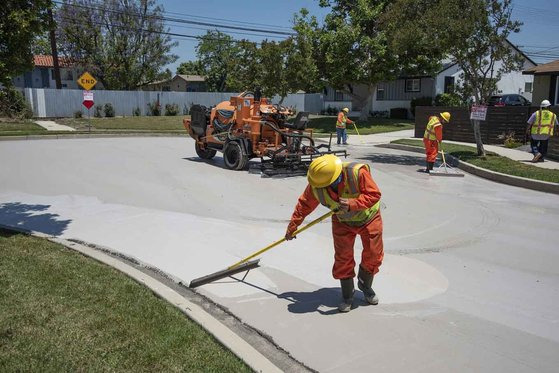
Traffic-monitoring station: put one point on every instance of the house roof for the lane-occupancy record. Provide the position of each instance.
(191, 78)
(448, 64)
(41, 60)
(545, 69)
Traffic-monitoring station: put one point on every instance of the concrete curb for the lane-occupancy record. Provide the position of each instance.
(522, 182)
(252, 357)
(90, 136)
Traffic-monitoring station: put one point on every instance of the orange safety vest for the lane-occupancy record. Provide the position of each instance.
(545, 121)
(341, 124)
(351, 190)
(430, 129)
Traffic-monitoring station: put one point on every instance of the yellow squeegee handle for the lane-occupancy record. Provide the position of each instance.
(358, 134)
(316, 221)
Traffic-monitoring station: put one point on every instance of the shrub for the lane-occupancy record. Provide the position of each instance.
(185, 110)
(78, 114)
(448, 99)
(509, 140)
(109, 110)
(171, 109)
(137, 112)
(154, 108)
(380, 114)
(399, 113)
(420, 101)
(13, 104)
(98, 113)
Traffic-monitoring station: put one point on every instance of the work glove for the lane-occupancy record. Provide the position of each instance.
(289, 237)
(343, 206)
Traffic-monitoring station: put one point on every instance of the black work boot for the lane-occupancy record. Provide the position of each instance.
(431, 164)
(364, 282)
(427, 166)
(347, 295)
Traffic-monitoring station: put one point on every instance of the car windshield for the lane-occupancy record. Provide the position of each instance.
(494, 99)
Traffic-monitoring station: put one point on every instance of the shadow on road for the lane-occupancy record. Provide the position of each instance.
(406, 160)
(313, 301)
(32, 217)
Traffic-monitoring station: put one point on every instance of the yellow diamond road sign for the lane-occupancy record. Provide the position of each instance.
(87, 81)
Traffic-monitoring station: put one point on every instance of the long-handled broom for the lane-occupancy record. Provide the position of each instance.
(245, 264)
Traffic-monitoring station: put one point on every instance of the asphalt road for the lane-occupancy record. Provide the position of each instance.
(469, 282)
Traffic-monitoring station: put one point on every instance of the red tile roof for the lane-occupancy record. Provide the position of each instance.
(47, 61)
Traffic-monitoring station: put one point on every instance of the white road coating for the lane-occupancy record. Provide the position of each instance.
(469, 282)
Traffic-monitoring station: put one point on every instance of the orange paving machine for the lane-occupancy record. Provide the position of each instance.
(249, 126)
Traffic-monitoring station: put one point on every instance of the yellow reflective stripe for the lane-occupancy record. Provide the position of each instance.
(352, 180)
(321, 197)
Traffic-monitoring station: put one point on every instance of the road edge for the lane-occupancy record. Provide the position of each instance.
(522, 182)
(237, 345)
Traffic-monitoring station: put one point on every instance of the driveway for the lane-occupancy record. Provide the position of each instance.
(469, 282)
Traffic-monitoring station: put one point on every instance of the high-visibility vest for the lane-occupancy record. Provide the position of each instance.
(342, 123)
(351, 190)
(430, 129)
(545, 121)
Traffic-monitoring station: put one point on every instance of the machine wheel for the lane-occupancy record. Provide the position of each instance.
(204, 153)
(234, 156)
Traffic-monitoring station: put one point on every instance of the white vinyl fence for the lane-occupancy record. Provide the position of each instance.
(52, 103)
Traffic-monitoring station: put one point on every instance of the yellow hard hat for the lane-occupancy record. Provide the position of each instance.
(446, 116)
(345, 110)
(324, 170)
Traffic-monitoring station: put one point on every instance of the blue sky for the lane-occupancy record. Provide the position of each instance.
(538, 34)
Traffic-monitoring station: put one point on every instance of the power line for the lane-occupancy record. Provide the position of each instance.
(180, 20)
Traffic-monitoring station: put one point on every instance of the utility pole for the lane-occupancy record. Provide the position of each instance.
(54, 50)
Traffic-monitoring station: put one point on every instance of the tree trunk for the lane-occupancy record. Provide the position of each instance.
(477, 136)
(52, 36)
(365, 110)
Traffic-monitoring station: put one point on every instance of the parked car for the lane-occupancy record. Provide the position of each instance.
(508, 100)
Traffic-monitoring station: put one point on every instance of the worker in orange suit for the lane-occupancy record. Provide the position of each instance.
(348, 189)
(341, 123)
(433, 136)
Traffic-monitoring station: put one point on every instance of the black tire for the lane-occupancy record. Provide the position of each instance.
(234, 157)
(204, 153)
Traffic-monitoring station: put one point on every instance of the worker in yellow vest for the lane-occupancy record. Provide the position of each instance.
(432, 137)
(341, 130)
(541, 126)
(349, 189)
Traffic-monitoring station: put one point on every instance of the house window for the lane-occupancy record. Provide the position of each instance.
(380, 94)
(338, 96)
(448, 84)
(528, 87)
(413, 85)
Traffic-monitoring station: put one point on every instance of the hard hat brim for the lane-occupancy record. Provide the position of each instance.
(337, 171)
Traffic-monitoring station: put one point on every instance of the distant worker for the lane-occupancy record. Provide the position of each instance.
(341, 130)
(432, 137)
(349, 189)
(540, 128)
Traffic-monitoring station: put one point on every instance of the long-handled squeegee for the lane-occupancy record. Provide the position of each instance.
(444, 169)
(245, 265)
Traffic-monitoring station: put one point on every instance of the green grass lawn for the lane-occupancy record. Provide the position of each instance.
(327, 124)
(492, 161)
(61, 311)
(128, 124)
(22, 127)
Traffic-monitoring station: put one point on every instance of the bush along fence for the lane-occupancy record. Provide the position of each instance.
(54, 103)
(501, 123)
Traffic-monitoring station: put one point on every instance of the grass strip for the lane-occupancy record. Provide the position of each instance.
(327, 124)
(61, 311)
(492, 161)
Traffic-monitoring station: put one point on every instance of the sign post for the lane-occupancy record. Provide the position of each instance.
(87, 81)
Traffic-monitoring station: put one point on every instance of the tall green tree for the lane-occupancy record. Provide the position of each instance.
(217, 51)
(472, 33)
(244, 69)
(21, 22)
(123, 43)
(191, 68)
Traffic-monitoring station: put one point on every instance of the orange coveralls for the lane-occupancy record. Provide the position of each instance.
(344, 235)
(432, 146)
